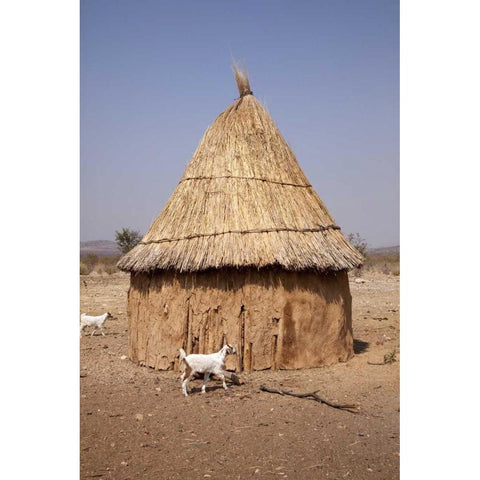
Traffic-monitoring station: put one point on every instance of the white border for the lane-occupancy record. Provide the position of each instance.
(439, 131)
(40, 237)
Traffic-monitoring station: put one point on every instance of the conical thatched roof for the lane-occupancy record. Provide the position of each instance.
(243, 201)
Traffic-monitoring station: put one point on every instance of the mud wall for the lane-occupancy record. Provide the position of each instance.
(276, 319)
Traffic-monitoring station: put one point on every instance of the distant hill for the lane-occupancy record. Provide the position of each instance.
(390, 251)
(101, 248)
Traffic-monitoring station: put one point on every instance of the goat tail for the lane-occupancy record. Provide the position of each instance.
(182, 355)
(183, 363)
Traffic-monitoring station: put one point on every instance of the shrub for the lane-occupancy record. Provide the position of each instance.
(84, 270)
(90, 261)
(109, 261)
(99, 268)
(358, 242)
(390, 357)
(127, 239)
(110, 269)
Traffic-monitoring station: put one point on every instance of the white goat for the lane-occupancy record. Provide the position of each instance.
(95, 322)
(214, 363)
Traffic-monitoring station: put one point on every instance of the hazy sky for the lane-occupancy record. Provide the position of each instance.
(155, 74)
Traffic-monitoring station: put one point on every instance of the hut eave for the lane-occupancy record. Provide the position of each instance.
(291, 251)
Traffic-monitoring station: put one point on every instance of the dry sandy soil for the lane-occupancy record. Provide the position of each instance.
(135, 423)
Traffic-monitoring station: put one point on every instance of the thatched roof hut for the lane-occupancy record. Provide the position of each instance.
(244, 251)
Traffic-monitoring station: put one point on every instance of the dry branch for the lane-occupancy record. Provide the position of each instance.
(313, 396)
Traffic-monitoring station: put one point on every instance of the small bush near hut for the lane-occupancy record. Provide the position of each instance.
(386, 263)
(358, 242)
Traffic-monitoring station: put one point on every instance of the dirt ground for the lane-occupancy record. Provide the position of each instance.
(135, 423)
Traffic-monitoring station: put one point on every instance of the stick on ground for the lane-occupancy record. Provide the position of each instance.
(313, 396)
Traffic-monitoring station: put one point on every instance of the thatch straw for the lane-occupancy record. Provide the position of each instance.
(241, 77)
(243, 201)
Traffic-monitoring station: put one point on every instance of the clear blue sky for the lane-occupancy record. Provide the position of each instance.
(155, 74)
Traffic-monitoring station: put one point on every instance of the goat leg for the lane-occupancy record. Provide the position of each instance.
(185, 383)
(206, 377)
(222, 377)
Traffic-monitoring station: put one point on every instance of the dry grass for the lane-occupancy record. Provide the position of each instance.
(84, 269)
(102, 265)
(243, 201)
(387, 264)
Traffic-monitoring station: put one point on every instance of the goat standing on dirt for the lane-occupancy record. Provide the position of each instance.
(95, 322)
(213, 363)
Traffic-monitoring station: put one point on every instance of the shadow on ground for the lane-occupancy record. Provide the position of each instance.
(359, 346)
